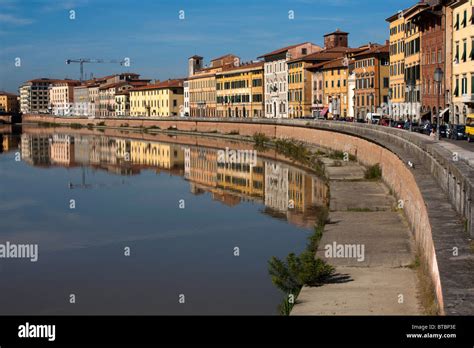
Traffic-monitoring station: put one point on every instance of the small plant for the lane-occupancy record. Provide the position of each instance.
(260, 139)
(76, 125)
(373, 172)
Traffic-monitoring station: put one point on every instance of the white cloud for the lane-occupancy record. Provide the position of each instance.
(6, 18)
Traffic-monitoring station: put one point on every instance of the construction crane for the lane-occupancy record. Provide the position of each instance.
(81, 61)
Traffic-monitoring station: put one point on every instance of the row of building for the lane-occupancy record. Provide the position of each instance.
(425, 68)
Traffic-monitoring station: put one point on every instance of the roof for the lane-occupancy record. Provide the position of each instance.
(249, 66)
(195, 56)
(406, 11)
(282, 50)
(42, 79)
(338, 31)
(8, 94)
(336, 63)
(374, 50)
(222, 57)
(123, 83)
(319, 56)
(176, 83)
(66, 81)
(415, 9)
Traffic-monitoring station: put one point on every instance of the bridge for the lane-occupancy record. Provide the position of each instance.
(434, 181)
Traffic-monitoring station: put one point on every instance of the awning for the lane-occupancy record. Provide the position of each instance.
(324, 111)
(443, 112)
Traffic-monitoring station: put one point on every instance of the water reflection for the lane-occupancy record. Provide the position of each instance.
(127, 191)
(286, 191)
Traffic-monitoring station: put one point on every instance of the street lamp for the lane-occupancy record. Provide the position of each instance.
(354, 105)
(411, 86)
(390, 93)
(438, 77)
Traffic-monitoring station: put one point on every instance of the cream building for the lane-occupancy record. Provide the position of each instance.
(276, 77)
(463, 60)
(160, 99)
(61, 97)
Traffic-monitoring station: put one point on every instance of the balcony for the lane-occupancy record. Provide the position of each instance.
(467, 98)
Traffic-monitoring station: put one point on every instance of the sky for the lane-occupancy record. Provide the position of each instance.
(151, 34)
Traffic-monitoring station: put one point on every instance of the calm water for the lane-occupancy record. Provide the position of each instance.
(127, 194)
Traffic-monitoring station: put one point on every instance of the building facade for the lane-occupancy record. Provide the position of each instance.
(463, 60)
(239, 91)
(9, 102)
(160, 99)
(276, 79)
(61, 97)
(336, 75)
(202, 83)
(34, 95)
(186, 108)
(397, 61)
(372, 80)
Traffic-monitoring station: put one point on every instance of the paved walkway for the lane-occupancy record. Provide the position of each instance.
(363, 214)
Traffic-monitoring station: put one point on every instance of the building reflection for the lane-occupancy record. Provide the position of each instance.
(287, 192)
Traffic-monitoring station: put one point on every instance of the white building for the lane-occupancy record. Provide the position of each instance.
(351, 85)
(276, 77)
(186, 109)
(61, 97)
(34, 95)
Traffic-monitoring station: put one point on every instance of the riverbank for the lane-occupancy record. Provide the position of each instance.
(377, 277)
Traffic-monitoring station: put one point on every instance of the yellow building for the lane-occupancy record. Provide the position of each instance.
(335, 75)
(153, 154)
(397, 58)
(202, 83)
(9, 102)
(413, 56)
(240, 91)
(463, 60)
(299, 90)
(159, 99)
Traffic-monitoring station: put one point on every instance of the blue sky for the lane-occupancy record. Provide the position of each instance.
(158, 43)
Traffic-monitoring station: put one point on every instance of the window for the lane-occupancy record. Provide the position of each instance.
(464, 54)
(464, 85)
(456, 57)
(472, 83)
(304, 51)
(472, 48)
(456, 24)
(440, 57)
(464, 19)
(456, 89)
(386, 81)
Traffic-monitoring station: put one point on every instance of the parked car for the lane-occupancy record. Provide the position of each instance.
(398, 124)
(443, 131)
(384, 122)
(457, 132)
(373, 118)
(426, 128)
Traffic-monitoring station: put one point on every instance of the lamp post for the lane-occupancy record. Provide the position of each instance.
(390, 92)
(438, 77)
(354, 105)
(411, 86)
